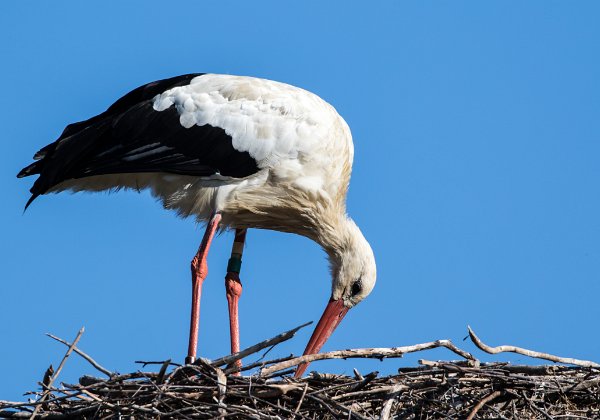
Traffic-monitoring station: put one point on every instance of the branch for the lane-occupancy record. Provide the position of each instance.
(530, 353)
(235, 369)
(257, 347)
(374, 353)
(483, 402)
(58, 370)
(387, 406)
(84, 355)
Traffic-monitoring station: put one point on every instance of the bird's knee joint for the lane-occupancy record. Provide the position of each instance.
(199, 268)
(233, 285)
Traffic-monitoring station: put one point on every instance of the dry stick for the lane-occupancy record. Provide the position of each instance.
(235, 369)
(163, 370)
(84, 355)
(11, 404)
(364, 382)
(145, 363)
(351, 387)
(13, 415)
(301, 398)
(530, 353)
(256, 398)
(340, 406)
(257, 347)
(62, 363)
(387, 407)
(483, 402)
(376, 353)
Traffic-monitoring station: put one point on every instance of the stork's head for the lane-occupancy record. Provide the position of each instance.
(353, 278)
(353, 268)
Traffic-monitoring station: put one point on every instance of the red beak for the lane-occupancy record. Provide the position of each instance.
(332, 316)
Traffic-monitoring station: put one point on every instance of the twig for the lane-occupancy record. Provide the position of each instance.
(324, 404)
(301, 398)
(375, 353)
(339, 406)
(529, 353)
(14, 415)
(257, 347)
(163, 370)
(84, 355)
(364, 381)
(250, 366)
(145, 363)
(7, 404)
(387, 406)
(483, 402)
(57, 372)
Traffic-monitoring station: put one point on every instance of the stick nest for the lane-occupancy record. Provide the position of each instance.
(464, 389)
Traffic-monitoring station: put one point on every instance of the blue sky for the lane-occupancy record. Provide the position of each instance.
(477, 135)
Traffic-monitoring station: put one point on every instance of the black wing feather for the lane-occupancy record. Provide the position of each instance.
(131, 137)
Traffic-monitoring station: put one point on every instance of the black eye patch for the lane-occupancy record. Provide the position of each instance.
(356, 287)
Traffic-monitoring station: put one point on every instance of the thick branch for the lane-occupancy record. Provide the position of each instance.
(374, 353)
(529, 353)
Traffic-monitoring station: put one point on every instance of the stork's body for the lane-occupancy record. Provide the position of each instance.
(234, 152)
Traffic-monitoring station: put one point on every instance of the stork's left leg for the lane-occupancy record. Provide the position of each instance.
(233, 288)
(199, 272)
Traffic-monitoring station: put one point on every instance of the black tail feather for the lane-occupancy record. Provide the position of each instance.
(33, 197)
(33, 169)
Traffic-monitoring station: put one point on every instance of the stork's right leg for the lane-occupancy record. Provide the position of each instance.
(233, 288)
(199, 272)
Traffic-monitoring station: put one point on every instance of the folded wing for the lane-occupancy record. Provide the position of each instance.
(132, 137)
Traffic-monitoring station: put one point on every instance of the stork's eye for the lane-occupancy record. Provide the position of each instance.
(356, 287)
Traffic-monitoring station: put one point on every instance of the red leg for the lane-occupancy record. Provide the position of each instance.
(233, 288)
(199, 272)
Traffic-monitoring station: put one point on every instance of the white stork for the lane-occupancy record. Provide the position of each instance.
(235, 153)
